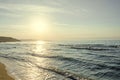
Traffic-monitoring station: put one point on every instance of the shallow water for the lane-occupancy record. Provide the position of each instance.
(44, 60)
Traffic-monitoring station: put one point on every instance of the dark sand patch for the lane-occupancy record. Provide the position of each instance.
(3, 73)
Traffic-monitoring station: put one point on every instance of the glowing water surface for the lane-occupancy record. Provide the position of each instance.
(44, 60)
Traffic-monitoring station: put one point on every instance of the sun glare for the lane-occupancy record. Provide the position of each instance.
(39, 25)
(40, 47)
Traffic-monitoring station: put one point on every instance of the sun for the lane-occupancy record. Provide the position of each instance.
(39, 26)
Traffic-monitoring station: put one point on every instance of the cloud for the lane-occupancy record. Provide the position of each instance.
(34, 8)
(61, 24)
(28, 7)
(10, 9)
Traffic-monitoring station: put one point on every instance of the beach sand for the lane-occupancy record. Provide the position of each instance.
(3, 73)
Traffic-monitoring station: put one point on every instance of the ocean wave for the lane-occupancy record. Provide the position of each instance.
(94, 47)
(13, 58)
(94, 60)
(81, 62)
(111, 75)
(66, 74)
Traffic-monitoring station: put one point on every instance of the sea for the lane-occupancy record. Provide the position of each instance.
(62, 60)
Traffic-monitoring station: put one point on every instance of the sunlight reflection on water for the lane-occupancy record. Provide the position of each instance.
(44, 60)
(39, 47)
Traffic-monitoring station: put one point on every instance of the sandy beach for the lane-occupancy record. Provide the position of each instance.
(3, 73)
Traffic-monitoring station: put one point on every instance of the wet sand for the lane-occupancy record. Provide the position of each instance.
(3, 73)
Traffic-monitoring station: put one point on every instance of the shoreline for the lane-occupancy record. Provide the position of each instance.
(3, 73)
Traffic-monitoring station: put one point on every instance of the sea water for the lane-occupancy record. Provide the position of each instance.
(55, 60)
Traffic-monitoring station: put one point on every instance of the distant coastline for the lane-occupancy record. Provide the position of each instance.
(8, 39)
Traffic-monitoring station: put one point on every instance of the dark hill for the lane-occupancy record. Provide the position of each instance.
(8, 39)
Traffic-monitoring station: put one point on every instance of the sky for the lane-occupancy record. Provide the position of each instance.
(60, 19)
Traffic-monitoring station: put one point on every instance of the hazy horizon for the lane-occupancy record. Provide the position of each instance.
(60, 20)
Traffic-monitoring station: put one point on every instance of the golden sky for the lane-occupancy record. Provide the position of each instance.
(60, 19)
